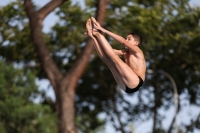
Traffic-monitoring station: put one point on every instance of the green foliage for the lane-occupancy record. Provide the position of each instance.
(67, 38)
(18, 112)
(15, 40)
(15, 34)
(170, 31)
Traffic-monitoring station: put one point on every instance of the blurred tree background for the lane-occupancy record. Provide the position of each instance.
(18, 112)
(171, 36)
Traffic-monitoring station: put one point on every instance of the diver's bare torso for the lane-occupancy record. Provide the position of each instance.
(136, 62)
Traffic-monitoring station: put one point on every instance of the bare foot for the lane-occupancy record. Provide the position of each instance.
(89, 28)
(94, 30)
(93, 19)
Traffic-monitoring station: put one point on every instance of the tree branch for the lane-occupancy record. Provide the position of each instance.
(176, 101)
(49, 7)
(80, 64)
(118, 115)
(173, 120)
(101, 10)
(155, 107)
(47, 62)
(189, 128)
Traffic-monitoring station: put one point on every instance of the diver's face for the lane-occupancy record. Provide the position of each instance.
(131, 40)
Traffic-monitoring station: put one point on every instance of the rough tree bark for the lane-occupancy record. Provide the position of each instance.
(64, 85)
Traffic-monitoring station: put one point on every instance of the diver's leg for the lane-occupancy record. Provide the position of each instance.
(125, 73)
(103, 57)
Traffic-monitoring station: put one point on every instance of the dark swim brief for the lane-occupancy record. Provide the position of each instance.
(128, 90)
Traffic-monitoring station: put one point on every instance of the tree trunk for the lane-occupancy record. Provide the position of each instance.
(63, 85)
(65, 104)
(155, 108)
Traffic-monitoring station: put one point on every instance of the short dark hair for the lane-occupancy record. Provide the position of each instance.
(137, 37)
